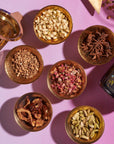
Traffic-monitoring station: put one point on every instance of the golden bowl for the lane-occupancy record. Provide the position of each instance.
(9, 27)
(50, 30)
(2, 43)
(23, 64)
(66, 79)
(31, 104)
(96, 45)
(78, 124)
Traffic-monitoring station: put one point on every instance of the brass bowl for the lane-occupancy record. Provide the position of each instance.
(81, 140)
(65, 12)
(83, 78)
(85, 55)
(10, 71)
(9, 27)
(21, 103)
(2, 43)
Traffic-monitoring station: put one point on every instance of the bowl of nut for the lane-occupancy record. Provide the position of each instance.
(66, 79)
(23, 64)
(33, 111)
(52, 24)
(84, 124)
(96, 45)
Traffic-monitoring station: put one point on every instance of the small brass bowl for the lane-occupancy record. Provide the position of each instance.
(9, 27)
(70, 95)
(2, 43)
(12, 74)
(86, 55)
(51, 40)
(22, 101)
(77, 139)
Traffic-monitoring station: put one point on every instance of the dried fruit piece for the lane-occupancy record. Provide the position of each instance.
(34, 112)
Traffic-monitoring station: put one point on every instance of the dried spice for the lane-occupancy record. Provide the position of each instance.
(96, 45)
(35, 112)
(66, 79)
(85, 124)
(25, 64)
(109, 6)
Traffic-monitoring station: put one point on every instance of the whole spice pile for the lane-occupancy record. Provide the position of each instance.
(85, 124)
(96, 45)
(35, 112)
(109, 6)
(66, 79)
(52, 25)
(25, 64)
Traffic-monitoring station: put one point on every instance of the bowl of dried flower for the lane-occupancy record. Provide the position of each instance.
(52, 24)
(96, 45)
(33, 111)
(23, 64)
(84, 124)
(66, 79)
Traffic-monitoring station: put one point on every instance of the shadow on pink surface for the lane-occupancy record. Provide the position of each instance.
(7, 119)
(58, 132)
(4, 79)
(70, 49)
(94, 95)
(40, 86)
(29, 37)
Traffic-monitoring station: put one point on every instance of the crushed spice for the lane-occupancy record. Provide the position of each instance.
(66, 79)
(96, 45)
(35, 112)
(25, 64)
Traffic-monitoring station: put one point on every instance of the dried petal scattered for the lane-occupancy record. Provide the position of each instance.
(66, 79)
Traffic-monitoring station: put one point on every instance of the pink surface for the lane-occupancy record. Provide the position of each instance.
(83, 16)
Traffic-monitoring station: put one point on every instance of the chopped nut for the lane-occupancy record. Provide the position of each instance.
(53, 24)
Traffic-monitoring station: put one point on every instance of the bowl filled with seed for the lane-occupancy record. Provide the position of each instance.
(23, 64)
(84, 124)
(96, 45)
(33, 111)
(52, 24)
(66, 79)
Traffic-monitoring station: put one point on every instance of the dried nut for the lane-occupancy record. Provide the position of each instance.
(85, 128)
(52, 24)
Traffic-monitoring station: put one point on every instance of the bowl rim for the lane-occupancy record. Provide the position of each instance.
(68, 129)
(66, 12)
(90, 28)
(82, 71)
(11, 74)
(20, 123)
(13, 22)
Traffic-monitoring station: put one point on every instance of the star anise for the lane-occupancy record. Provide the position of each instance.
(97, 45)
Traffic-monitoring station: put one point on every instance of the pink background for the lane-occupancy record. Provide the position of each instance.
(83, 16)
